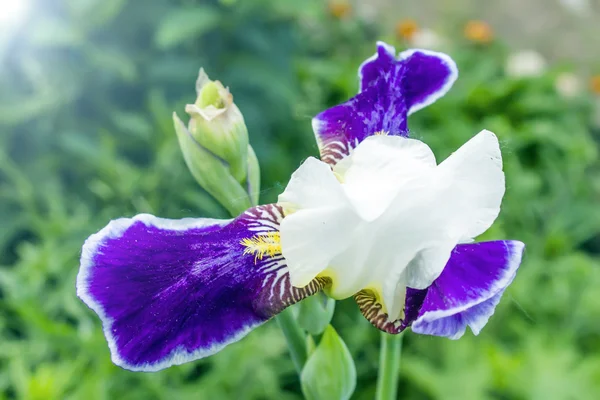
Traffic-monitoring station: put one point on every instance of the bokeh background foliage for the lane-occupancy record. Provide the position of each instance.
(87, 88)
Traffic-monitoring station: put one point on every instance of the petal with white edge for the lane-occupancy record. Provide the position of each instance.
(428, 76)
(377, 66)
(469, 288)
(172, 291)
(390, 90)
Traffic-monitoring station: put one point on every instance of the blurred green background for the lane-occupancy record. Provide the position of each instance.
(87, 88)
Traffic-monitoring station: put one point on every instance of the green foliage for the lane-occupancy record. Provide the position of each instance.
(87, 89)
(315, 313)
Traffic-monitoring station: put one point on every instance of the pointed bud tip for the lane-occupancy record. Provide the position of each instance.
(210, 96)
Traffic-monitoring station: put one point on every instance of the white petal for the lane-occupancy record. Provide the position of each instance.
(428, 264)
(475, 174)
(310, 239)
(378, 170)
(456, 203)
(393, 218)
(313, 185)
(394, 296)
(320, 223)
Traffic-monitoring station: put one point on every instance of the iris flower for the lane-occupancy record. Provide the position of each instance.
(376, 218)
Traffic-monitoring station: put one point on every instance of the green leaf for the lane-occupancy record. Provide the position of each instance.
(184, 24)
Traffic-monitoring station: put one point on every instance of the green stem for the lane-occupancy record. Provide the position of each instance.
(295, 338)
(389, 366)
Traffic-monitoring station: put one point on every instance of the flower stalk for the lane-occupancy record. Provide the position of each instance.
(295, 338)
(389, 366)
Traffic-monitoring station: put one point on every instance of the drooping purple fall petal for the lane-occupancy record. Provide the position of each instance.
(466, 293)
(469, 288)
(172, 291)
(390, 89)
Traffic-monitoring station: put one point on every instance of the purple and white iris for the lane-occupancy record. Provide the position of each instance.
(376, 218)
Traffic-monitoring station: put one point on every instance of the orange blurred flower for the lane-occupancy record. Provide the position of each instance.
(595, 84)
(478, 31)
(406, 29)
(340, 8)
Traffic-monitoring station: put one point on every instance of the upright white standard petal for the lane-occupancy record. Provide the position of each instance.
(388, 217)
(377, 162)
(318, 220)
(475, 171)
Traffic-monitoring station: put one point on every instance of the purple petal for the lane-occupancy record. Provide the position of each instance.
(469, 288)
(428, 76)
(377, 66)
(172, 291)
(391, 89)
(378, 109)
(372, 310)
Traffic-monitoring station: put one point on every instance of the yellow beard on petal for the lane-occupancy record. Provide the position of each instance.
(262, 244)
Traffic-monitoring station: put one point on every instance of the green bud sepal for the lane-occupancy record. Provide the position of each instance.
(216, 149)
(329, 373)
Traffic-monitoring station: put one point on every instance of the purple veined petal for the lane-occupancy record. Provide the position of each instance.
(378, 109)
(377, 66)
(390, 89)
(469, 288)
(428, 76)
(172, 291)
(371, 309)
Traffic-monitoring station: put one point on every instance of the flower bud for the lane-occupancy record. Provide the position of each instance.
(218, 125)
(315, 313)
(215, 147)
(211, 172)
(329, 372)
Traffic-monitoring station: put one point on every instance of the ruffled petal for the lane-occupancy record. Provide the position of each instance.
(378, 170)
(172, 291)
(392, 217)
(469, 288)
(390, 90)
